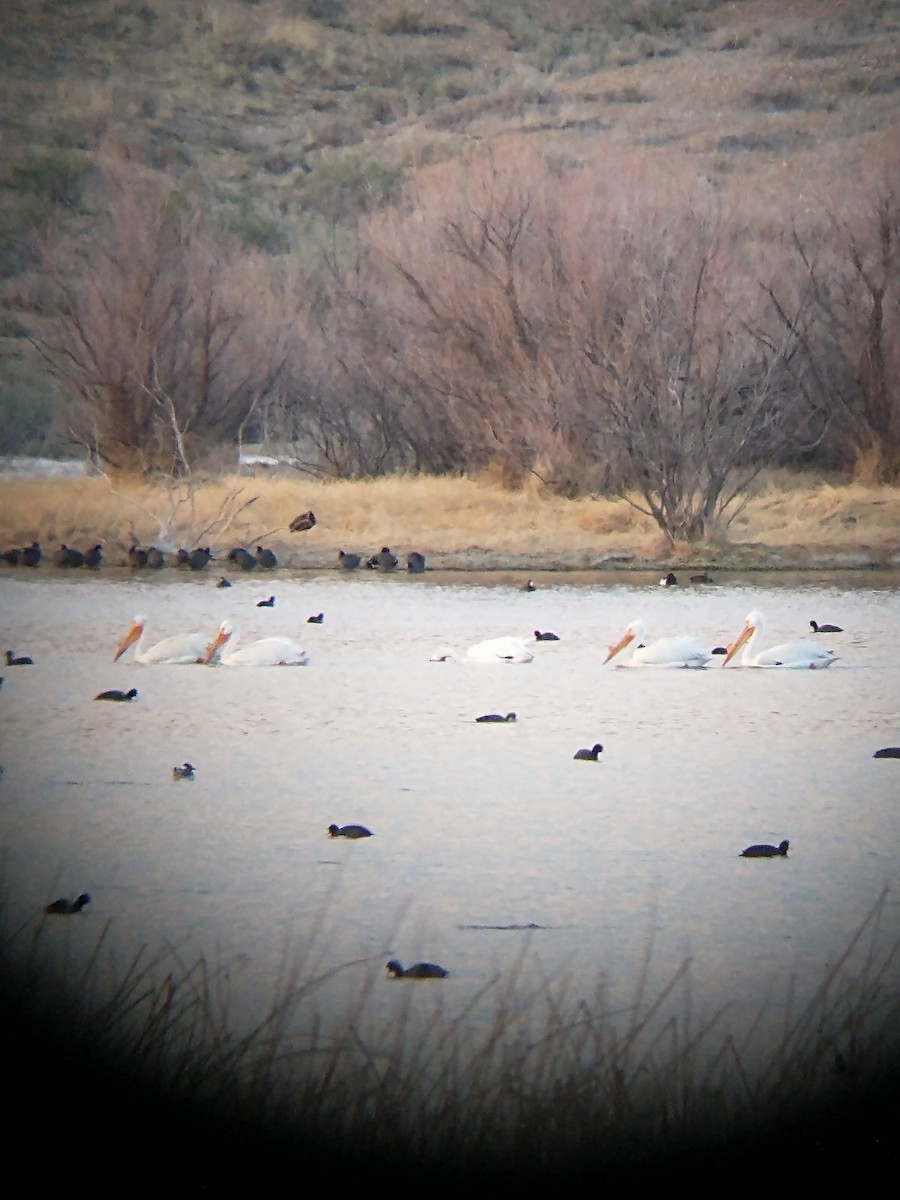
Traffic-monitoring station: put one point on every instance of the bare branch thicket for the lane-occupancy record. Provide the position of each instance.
(839, 300)
(165, 342)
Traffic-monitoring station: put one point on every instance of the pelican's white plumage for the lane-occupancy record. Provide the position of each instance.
(182, 648)
(666, 652)
(801, 653)
(501, 649)
(267, 652)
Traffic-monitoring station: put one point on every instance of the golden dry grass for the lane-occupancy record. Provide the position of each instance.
(455, 521)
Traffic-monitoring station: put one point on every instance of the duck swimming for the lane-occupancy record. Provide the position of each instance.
(23, 661)
(825, 628)
(349, 831)
(545, 637)
(887, 752)
(764, 851)
(495, 718)
(420, 970)
(591, 755)
(270, 603)
(670, 580)
(66, 908)
(183, 772)
(116, 694)
(316, 620)
(801, 653)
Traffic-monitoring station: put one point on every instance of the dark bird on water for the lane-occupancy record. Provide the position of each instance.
(825, 628)
(494, 718)
(304, 521)
(383, 560)
(420, 970)
(23, 661)
(31, 555)
(270, 603)
(349, 561)
(719, 650)
(415, 563)
(887, 752)
(242, 558)
(266, 558)
(704, 578)
(530, 586)
(316, 620)
(764, 851)
(93, 557)
(671, 580)
(545, 637)
(223, 582)
(349, 831)
(589, 755)
(66, 908)
(116, 694)
(183, 772)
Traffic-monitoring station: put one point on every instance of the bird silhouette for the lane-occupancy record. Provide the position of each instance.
(591, 755)
(66, 908)
(116, 694)
(420, 970)
(764, 851)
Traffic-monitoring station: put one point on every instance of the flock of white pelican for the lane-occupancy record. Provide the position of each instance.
(630, 650)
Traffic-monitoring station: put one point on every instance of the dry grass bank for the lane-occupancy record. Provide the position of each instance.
(792, 520)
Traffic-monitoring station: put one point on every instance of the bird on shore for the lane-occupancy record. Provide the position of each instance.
(415, 563)
(702, 578)
(66, 556)
(66, 908)
(155, 558)
(887, 752)
(316, 620)
(671, 580)
(592, 755)
(22, 661)
(270, 603)
(266, 558)
(137, 557)
(420, 970)
(801, 653)
(241, 558)
(349, 561)
(530, 586)
(199, 557)
(93, 557)
(304, 521)
(31, 555)
(384, 560)
(116, 694)
(665, 652)
(186, 771)
(825, 628)
(13, 557)
(495, 718)
(349, 831)
(545, 637)
(223, 582)
(765, 851)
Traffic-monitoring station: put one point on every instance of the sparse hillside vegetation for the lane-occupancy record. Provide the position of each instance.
(644, 248)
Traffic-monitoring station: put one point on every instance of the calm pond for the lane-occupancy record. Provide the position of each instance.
(627, 866)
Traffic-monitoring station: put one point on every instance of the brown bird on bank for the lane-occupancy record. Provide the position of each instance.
(66, 908)
(303, 522)
(420, 970)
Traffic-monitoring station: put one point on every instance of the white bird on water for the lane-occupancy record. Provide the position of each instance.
(801, 653)
(501, 649)
(665, 652)
(267, 652)
(182, 648)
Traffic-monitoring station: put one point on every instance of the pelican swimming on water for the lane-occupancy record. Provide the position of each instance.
(803, 652)
(267, 652)
(182, 648)
(665, 652)
(501, 649)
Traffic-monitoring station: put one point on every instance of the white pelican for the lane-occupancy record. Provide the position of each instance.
(803, 652)
(267, 652)
(501, 649)
(666, 652)
(183, 648)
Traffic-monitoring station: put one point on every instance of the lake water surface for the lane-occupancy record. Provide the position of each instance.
(631, 860)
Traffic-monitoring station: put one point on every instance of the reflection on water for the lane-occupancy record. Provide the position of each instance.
(487, 838)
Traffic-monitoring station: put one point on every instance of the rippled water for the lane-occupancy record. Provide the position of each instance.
(476, 826)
